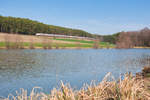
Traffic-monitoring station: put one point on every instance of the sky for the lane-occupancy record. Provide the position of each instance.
(95, 16)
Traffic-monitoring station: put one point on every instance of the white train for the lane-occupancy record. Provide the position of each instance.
(63, 36)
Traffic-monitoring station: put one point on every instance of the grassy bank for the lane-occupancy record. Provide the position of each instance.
(130, 88)
(26, 45)
(15, 41)
(101, 44)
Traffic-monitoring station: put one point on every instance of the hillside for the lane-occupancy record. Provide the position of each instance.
(30, 27)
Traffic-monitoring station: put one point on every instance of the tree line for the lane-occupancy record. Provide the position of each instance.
(111, 38)
(129, 39)
(30, 27)
(134, 39)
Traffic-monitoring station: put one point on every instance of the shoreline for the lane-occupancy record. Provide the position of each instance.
(141, 47)
(53, 48)
(129, 88)
(39, 42)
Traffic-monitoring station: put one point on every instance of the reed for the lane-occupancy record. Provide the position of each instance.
(127, 89)
(13, 42)
(7, 41)
(96, 44)
(57, 46)
(47, 43)
(31, 45)
(78, 45)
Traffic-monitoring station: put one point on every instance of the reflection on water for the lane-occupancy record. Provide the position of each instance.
(45, 68)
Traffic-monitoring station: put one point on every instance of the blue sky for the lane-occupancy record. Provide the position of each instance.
(94, 16)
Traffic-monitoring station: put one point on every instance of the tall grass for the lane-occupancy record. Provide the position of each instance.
(13, 42)
(96, 44)
(7, 41)
(31, 45)
(127, 89)
(56, 46)
(47, 43)
(78, 45)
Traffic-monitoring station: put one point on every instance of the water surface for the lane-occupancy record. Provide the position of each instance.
(45, 68)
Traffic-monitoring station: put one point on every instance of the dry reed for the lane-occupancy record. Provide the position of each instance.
(31, 45)
(57, 46)
(7, 41)
(47, 43)
(96, 44)
(13, 42)
(127, 89)
(78, 45)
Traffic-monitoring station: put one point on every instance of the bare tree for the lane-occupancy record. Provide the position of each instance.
(134, 38)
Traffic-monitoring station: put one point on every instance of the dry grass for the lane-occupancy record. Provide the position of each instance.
(14, 42)
(27, 38)
(146, 69)
(127, 89)
(96, 44)
(17, 41)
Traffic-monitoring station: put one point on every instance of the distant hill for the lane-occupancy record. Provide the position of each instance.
(111, 38)
(30, 27)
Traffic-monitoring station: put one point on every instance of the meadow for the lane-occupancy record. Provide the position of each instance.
(15, 41)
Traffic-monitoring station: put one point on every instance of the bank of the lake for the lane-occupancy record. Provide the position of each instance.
(15, 41)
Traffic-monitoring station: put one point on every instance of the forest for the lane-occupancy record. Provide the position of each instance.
(132, 39)
(122, 39)
(30, 27)
(111, 38)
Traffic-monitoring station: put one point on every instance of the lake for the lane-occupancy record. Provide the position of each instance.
(45, 68)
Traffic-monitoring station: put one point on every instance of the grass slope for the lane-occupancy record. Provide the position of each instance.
(102, 44)
(25, 41)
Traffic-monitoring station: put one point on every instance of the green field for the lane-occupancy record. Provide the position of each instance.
(40, 45)
(72, 43)
(101, 44)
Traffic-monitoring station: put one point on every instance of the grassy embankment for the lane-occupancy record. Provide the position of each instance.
(90, 42)
(23, 41)
(53, 45)
(129, 88)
